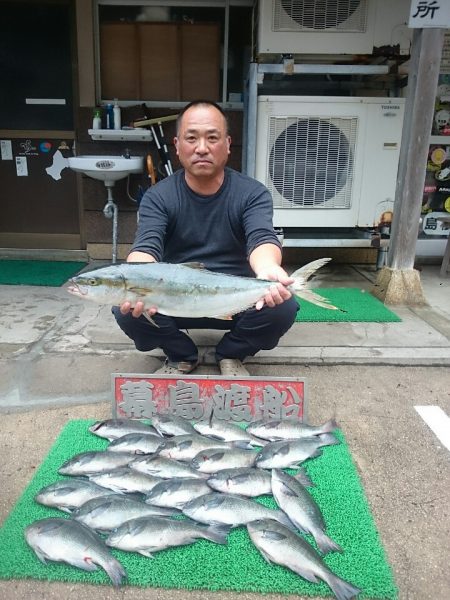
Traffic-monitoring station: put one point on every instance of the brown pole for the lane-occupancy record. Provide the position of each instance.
(419, 108)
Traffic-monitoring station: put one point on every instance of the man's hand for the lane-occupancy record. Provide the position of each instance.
(278, 292)
(138, 309)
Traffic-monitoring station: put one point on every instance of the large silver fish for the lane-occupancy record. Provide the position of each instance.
(185, 290)
(248, 481)
(224, 430)
(165, 468)
(152, 534)
(87, 463)
(302, 509)
(228, 509)
(169, 425)
(186, 447)
(111, 429)
(137, 443)
(288, 429)
(69, 494)
(65, 540)
(212, 460)
(125, 481)
(283, 547)
(105, 514)
(291, 453)
(176, 492)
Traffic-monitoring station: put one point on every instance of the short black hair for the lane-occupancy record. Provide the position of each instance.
(201, 102)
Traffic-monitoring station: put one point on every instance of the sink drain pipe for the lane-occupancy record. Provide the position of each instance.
(110, 210)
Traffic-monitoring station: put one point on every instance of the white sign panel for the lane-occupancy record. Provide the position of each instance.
(429, 13)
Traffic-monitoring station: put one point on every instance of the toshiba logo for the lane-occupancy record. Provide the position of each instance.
(390, 107)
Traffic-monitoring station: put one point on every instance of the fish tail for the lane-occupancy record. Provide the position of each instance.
(302, 275)
(342, 589)
(115, 571)
(328, 439)
(282, 518)
(303, 478)
(217, 533)
(325, 543)
(329, 426)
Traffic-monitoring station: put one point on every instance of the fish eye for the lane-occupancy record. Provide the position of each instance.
(92, 281)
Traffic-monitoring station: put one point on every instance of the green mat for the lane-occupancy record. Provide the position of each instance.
(355, 304)
(204, 565)
(38, 272)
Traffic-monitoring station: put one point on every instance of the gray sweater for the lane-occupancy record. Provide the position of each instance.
(177, 225)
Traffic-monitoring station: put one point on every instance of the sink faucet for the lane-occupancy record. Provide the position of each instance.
(126, 153)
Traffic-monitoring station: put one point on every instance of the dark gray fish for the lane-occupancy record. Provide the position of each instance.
(137, 443)
(290, 453)
(152, 534)
(230, 510)
(302, 509)
(171, 425)
(105, 514)
(112, 429)
(288, 429)
(125, 480)
(87, 463)
(186, 447)
(66, 540)
(166, 468)
(212, 460)
(248, 481)
(69, 494)
(283, 547)
(176, 492)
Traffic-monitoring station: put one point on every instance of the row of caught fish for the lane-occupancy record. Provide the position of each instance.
(170, 485)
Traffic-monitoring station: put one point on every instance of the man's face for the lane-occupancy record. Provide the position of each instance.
(202, 144)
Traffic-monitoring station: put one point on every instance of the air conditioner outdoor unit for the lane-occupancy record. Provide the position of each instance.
(332, 26)
(328, 161)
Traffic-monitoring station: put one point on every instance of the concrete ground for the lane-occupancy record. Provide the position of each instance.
(57, 354)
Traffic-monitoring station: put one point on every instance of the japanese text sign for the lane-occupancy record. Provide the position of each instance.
(429, 13)
(195, 398)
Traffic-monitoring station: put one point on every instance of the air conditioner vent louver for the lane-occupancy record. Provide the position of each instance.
(310, 161)
(320, 15)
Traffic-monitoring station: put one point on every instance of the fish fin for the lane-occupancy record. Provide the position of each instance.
(306, 271)
(314, 298)
(325, 543)
(274, 535)
(328, 439)
(343, 590)
(282, 518)
(149, 318)
(305, 573)
(222, 317)
(217, 533)
(303, 478)
(329, 426)
(265, 556)
(115, 571)
(146, 552)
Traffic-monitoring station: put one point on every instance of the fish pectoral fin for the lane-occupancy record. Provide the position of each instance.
(223, 317)
(146, 552)
(314, 298)
(194, 265)
(305, 573)
(148, 317)
(88, 564)
(265, 556)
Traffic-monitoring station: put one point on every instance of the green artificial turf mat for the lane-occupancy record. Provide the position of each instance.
(238, 566)
(355, 306)
(38, 272)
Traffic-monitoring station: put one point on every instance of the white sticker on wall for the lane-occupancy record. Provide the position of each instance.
(6, 149)
(21, 166)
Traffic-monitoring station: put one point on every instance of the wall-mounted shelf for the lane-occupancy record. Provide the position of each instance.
(128, 135)
(440, 139)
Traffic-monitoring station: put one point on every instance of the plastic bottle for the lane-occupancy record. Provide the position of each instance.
(117, 116)
(97, 119)
(109, 116)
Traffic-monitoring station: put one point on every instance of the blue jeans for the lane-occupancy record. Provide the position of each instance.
(248, 332)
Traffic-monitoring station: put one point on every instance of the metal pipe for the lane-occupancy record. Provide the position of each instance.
(110, 210)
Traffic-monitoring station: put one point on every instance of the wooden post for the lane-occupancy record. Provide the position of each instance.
(399, 283)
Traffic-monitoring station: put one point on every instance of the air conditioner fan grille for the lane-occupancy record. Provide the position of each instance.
(311, 161)
(322, 15)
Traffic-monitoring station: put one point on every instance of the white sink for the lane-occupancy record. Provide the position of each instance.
(107, 168)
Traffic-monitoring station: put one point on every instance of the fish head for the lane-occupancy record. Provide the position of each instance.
(103, 286)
